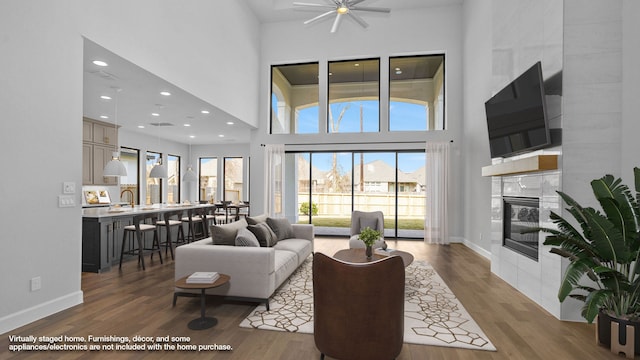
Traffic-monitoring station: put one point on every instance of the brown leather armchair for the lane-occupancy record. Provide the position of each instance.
(358, 308)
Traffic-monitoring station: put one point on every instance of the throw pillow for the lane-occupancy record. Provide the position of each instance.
(368, 222)
(226, 234)
(264, 234)
(253, 220)
(281, 227)
(246, 238)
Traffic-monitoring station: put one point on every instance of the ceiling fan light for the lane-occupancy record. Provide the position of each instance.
(342, 9)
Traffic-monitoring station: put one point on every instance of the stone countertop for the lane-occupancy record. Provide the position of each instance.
(109, 212)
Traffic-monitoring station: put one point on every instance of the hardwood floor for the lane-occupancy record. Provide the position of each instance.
(135, 302)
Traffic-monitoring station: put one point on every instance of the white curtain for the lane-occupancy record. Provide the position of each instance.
(274, 180)
(436, 224)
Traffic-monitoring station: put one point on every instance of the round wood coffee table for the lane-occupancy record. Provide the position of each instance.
(202, 322)
(358, 255)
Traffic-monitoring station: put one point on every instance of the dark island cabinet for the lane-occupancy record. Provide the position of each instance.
(102, 242)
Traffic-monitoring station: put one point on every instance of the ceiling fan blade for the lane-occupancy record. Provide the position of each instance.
(369, 8)
(321, 16)
(358, 19)
(336, 23)
(321, 6)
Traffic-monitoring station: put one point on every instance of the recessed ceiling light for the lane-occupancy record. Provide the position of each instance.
(140, 126)
(205, 111)
(187, 125)
(356, 64)
(100, 63)
(330, 74)
(192, 136)
(165, 93)
(397, 69)
(229, 122)
(155, 114)
(220, 135)
(105, 97)
(104, 117)
(398, 72)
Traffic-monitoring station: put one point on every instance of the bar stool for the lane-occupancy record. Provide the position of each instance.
(194, 216)
(221, 216)
(139, 228)
(171, 219)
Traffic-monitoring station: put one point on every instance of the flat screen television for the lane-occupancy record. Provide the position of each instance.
(517, 116)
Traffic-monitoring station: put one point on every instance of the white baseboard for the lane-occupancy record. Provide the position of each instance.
(26, 316)
(477, 249)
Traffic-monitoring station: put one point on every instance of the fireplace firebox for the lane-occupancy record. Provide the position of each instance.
(521, 213)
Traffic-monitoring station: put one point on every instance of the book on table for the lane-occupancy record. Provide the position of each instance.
(202, 277)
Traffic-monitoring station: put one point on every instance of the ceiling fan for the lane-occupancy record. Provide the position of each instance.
(341, 8)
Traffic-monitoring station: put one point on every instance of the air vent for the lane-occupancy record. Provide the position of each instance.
(103, 75)
(161, 124)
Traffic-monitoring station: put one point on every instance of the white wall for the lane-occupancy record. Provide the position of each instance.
(436, 30)
(477, 64)
(630, 88)
(187, 44)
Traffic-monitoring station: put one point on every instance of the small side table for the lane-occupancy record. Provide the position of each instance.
(202, 322)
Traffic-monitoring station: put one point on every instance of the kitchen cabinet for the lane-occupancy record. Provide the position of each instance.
(101, 156)
(87, 163)
(99, 143)
(102, 242)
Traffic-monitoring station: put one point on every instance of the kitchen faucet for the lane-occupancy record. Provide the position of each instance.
(131, 192)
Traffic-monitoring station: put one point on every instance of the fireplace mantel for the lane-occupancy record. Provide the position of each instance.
(521, 166)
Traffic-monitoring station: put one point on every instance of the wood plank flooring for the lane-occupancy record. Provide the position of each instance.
(135, 302)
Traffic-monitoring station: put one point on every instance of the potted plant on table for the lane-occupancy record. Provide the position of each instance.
(604, 268)
(369, 237)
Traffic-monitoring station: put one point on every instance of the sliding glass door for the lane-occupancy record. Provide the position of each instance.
(329, 186)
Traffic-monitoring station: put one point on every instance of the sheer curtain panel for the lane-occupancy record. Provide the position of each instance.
(274, 180)
(436, 226)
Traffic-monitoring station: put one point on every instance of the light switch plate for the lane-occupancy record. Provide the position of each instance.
(69, 187)
(66, 201)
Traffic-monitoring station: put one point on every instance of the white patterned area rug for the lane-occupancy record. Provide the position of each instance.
(433, 315)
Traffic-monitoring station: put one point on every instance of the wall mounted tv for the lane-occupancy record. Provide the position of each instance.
(517, 116)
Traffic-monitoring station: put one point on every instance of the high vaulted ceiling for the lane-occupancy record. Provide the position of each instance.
(283, 10)
(139, 91)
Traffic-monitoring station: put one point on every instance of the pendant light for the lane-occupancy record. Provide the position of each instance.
(115, 167)
(189, 175)
(159, 170)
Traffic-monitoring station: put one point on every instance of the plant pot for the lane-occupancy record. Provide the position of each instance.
(369, 252)
(604, 331)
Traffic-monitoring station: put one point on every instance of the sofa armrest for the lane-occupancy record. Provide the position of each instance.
(303, 231)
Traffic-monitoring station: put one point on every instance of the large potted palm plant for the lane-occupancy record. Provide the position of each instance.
(603, 253)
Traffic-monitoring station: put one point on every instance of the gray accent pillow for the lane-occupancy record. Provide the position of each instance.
(368, 222)
(226, 234)
(254, 220)
(246, 238)
(264, 234)
(281, 227)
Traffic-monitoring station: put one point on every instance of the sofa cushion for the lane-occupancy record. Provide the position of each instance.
(226, 234)
(246, 238)
(302, 248)
(254, 220)
(281, 227)
(286, 263)
(264, 234)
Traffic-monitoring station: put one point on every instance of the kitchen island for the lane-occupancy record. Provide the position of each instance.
(102, 231)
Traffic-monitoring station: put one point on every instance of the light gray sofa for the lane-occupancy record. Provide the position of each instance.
(256, 272)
